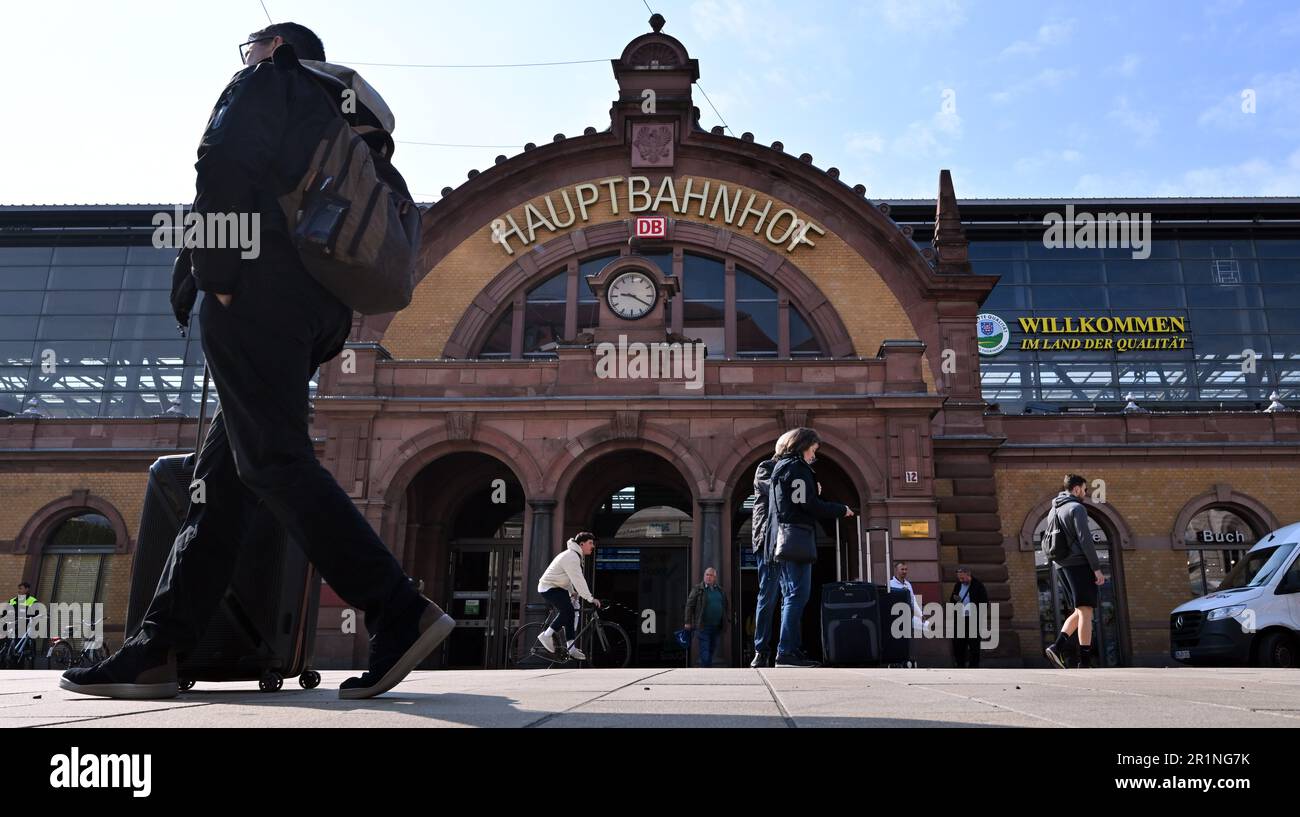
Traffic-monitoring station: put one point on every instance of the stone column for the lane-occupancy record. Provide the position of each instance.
(540, 551)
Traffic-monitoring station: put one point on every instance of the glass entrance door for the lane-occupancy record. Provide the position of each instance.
(486, 583)
(649, 582)
(1055, 604)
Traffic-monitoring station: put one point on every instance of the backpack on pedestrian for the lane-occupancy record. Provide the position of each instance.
(1056, 544)
(351, 215)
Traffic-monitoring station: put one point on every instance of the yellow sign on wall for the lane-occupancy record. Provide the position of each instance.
(914, 529)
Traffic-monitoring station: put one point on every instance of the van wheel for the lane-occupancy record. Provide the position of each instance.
(1278, 650)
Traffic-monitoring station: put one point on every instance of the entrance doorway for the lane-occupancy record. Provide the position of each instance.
(486, 582)
(639, 508)
(1109, 633)
(464, 524)
(837, 487)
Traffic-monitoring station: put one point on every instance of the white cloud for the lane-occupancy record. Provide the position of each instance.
(1254, 176)
(1049, 157)
(860, 144)
(1047, 78)
(927, 17)
(1277, 100)
(1049, 35)
(1129, 65)
(726, 18)
(1144, 125)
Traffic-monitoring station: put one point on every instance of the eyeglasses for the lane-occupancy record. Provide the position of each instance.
(244, 47)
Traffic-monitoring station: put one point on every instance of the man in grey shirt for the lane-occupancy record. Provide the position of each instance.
(1081, 571)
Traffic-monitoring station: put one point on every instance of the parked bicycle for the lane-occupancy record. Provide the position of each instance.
(62, 655)
(605, 643)
(20, 653)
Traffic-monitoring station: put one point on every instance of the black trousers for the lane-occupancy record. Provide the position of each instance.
(565, 616)
(966, 651)
(258, 457)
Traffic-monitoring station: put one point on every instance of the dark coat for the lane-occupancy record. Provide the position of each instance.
(695, 606)
(760, 541)
(257, 145)
(794, 480)
(978, 595)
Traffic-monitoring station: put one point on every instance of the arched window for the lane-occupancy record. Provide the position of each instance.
(544, 312)
(74, 561)
(707, 308)
(1216, 539)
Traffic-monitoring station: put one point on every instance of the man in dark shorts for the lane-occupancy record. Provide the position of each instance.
(1080, 570)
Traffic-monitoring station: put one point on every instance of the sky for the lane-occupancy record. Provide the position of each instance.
(107, 99)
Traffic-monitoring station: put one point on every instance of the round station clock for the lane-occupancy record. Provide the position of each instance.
(632, 295)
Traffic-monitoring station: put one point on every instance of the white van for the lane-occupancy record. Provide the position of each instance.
(1253, 618)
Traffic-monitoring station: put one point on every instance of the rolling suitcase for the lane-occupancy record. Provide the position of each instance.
(851, 613)
(264, 629)
(895, 648)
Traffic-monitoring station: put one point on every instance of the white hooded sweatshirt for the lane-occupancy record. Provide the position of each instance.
(565, 572)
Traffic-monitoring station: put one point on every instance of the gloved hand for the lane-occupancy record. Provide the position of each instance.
(184, 288)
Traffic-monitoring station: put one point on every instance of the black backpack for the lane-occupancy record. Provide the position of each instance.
(1056, 544)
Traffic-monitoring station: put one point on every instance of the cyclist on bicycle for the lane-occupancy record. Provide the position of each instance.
(563, 581)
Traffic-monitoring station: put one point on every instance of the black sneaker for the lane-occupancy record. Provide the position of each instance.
(396, 649)
(1054, 657)
(796, 660)
(138, 672)
(761, 660)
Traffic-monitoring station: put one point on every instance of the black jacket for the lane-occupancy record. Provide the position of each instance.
(794, 480)
(1073, 517)
(978, 595)
(257, 145)
(759, 539)
(695, 606)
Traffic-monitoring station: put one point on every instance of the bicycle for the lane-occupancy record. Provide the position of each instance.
(20, 652)
(62, 656)
(605, 643)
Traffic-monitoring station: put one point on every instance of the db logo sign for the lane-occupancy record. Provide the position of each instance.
(652, 227)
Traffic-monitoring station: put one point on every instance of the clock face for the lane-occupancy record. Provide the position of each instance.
(632, 295)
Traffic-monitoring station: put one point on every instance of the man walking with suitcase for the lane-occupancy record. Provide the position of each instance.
(267, 325)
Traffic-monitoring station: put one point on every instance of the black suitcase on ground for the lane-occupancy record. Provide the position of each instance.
(265, 627)
(895, 650)
(850, 615)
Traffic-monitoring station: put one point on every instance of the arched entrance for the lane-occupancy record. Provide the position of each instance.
(465, 537)
(641, 510)
(836, 486)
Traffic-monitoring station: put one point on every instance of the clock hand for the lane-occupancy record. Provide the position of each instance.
(633, 297)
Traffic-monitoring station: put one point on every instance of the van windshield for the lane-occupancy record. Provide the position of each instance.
(1258, 567)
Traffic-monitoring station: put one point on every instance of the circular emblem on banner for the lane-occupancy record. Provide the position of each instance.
(992, 333)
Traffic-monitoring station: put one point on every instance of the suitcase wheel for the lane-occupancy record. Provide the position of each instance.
(309, 679)
(270, 682)
(185, 684)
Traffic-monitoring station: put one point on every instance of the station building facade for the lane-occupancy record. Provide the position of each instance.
(955, 361)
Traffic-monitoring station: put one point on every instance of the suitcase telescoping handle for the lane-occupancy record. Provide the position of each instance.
(841, 557)
(203, 409)
(864, 555)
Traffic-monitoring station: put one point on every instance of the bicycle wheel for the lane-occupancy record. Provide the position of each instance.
(519, 653)
(61, 656)
(610, 647)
